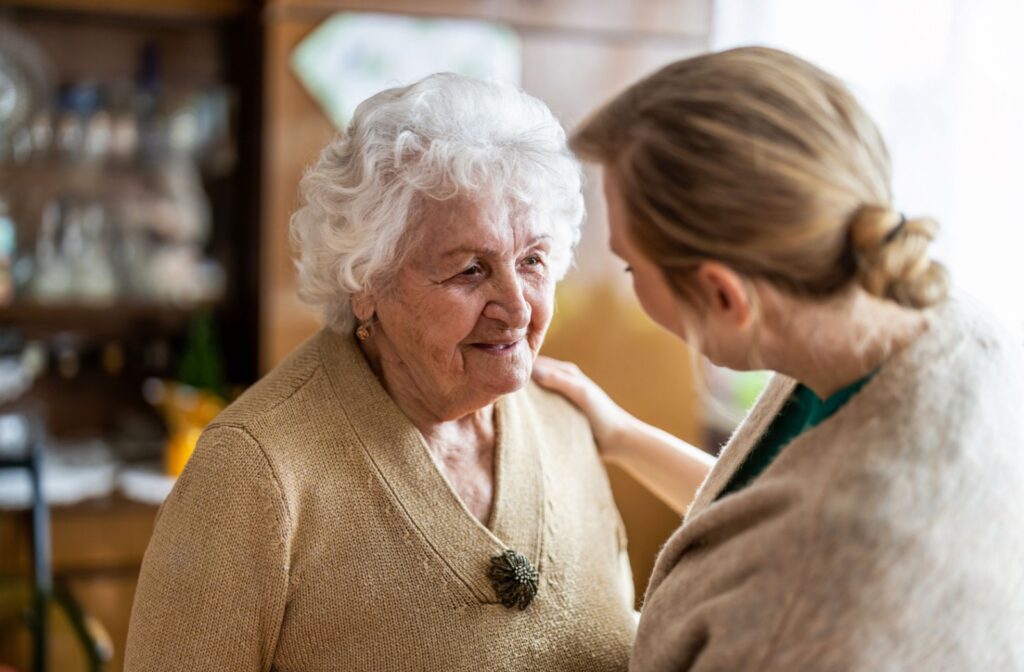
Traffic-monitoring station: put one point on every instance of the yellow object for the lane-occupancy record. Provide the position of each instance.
(179, 448)
(187, 411)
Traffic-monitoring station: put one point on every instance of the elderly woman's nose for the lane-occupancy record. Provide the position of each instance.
(508, 303)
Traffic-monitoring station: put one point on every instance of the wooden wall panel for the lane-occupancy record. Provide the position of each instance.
(295, 130)
(614, 18)
(95, 50)
(574, 77)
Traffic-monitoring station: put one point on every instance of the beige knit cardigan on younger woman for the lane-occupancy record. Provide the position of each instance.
(312, 531)
(889, 537)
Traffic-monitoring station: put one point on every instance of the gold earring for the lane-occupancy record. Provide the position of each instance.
(363, 332)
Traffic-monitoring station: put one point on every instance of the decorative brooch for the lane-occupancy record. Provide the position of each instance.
(514, 579)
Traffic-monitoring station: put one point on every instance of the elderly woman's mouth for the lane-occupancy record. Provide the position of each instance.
(501, 348)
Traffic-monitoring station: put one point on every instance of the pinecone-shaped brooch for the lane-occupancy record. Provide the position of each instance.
(514, 579)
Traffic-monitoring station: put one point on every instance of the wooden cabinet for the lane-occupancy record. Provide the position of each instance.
(179, 9)
(197, 46)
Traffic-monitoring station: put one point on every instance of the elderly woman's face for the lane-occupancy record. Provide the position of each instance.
(468, 310)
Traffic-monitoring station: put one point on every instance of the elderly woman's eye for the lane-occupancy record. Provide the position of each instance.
(472, 271)
(533, 260)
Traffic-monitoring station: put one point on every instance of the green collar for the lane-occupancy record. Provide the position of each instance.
(821, 410)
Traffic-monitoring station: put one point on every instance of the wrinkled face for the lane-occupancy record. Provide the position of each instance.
(649, 284)
(469, 307)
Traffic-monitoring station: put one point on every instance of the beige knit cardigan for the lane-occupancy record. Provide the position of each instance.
(889, 537)
(312, 530)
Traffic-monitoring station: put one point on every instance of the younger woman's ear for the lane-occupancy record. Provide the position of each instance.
(726, 294)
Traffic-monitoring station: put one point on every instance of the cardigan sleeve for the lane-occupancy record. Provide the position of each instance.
(724, 584)
(214, 580)
(770, 579)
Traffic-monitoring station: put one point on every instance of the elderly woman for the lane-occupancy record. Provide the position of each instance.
(866, 515)
(396, 495)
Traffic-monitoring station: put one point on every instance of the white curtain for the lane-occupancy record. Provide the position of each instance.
(944, 79)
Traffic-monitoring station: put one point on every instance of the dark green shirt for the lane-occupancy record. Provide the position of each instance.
(802, 411)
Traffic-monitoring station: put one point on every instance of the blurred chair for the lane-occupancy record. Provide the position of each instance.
(22, 442)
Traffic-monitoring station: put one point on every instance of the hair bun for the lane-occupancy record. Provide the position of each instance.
(896, 264)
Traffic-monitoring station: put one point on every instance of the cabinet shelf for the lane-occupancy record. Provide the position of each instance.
(115, 320)
(166, 9)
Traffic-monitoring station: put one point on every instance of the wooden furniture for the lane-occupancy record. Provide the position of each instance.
(98, 545)
(176, 9)
(96, 553)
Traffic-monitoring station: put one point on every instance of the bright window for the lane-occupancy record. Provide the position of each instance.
(944, 79)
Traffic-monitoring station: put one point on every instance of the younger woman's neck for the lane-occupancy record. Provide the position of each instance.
(831, 344)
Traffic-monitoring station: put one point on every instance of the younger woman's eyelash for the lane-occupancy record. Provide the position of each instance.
(628, 269)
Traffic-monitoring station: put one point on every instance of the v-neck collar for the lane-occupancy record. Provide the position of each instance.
(801, 412)
(406, 468)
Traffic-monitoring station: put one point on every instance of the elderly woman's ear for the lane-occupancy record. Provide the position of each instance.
(363, 306)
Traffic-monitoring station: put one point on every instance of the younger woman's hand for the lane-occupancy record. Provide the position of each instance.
(606, 417)
(668, 466)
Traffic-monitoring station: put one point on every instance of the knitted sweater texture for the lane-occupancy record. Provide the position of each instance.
(889, 537)
(312, 530)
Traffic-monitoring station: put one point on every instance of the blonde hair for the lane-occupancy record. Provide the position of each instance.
(759, 160)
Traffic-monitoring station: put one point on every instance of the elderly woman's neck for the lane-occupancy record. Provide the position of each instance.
(449, 425)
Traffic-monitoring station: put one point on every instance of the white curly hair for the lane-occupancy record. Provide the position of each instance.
(443, 136)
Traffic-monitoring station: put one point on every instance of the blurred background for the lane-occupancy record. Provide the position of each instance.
(149, 159)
